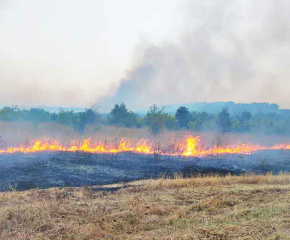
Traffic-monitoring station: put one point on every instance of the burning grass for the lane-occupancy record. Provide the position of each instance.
(15, 133)
(189, 147)
(231, 207)
(53, 137)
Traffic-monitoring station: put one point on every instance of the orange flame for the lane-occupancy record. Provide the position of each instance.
(191, 147)
(49, 146)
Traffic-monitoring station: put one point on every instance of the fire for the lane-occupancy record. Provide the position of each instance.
(143, 147)
(191, 147)
(86, 146)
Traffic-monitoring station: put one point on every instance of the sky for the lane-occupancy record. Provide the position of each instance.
(73, 53)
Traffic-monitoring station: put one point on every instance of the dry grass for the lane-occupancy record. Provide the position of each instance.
(14, 133)
(231, 207)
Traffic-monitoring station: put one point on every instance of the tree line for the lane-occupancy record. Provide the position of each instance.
(156, 119)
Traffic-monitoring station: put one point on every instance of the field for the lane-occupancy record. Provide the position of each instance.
(14, 133)
(210, 207)
(231, 207)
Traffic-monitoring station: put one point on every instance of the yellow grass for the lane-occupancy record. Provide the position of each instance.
(231, 207)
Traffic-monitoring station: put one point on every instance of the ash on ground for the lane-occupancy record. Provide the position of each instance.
(67, 169)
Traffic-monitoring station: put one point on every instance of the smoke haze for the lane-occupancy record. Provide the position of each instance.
(69, 53)
(78, 53)
(230, 51)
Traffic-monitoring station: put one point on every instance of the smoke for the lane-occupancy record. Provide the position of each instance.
(55, 53)
(230, 50)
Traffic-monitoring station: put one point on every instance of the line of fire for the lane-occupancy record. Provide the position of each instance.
(190, 147)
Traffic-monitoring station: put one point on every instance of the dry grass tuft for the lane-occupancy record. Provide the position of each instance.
(212, 207)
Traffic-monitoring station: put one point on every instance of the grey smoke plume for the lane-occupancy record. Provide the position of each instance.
(231, 50)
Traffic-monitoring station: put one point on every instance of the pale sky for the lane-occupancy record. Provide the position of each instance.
(75, 53)
(71, 52)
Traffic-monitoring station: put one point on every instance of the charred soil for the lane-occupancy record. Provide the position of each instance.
(74, 169)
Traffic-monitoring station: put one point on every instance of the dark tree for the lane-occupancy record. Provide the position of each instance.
(88, 117)
(224, 120)
(245, 116)
(121, 116)
(183, 117)
(243, 123)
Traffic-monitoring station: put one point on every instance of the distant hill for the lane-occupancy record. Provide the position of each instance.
(57, 109)
(234, 108)
(209, 107)
(49, 108)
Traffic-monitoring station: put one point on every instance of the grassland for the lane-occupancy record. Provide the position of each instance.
(15, 133)
(231, 207)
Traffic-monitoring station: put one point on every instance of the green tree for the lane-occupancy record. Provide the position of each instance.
(156, 119)
(88, 117)
(121, 116)
(183, 117)
(241, 124)
(37, 115)
(68, 118)
(11, 114)
(198, 120)
(224, 120)
(170, 122)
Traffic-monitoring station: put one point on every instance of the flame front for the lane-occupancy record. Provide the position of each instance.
(86, 146)
(190, 148)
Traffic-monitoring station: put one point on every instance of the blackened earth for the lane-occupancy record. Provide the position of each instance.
(66, 169)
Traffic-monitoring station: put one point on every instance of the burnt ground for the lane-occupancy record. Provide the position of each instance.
(64, 169)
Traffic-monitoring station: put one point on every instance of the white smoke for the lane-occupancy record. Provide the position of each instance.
(232, 51)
